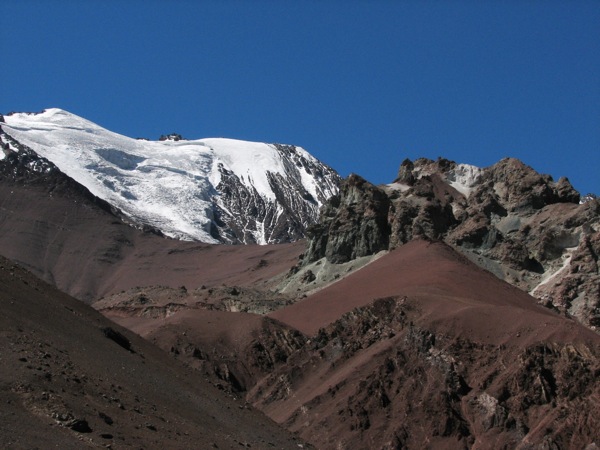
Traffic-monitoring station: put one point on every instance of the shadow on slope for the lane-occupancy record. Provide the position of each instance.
(72, 379)
(59, 231)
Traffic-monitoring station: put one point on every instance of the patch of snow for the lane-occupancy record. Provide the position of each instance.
(168, 184)
(547, 278)
(587, 198)
(464, 178)
(248, 160)
(402, 187)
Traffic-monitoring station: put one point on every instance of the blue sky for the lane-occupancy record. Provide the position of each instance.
(360, 84)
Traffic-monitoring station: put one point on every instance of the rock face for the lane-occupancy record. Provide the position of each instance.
(242, 214)
(352, 224)
(208, 190)
(521, 225)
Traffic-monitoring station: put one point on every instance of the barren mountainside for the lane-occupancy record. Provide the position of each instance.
(72, 379)
(420, 348)
(522, 226)
(456, 307)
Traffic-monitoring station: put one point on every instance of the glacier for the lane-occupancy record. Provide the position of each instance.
(213, 190)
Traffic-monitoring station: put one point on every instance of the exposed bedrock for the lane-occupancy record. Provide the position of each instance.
(521, 225)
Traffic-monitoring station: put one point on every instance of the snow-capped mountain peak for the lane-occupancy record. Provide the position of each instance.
(211, 190)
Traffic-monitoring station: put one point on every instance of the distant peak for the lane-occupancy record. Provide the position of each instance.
(171, 137)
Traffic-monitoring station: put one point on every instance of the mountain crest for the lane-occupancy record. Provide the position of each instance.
(210, 190)
(521, 225)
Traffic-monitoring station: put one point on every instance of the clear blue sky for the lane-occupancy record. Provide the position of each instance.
(360, 84)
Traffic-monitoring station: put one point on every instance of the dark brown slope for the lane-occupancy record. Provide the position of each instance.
(60, 232)
(232, 350)
(69, 378)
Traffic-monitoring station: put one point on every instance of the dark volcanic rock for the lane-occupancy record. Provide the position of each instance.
(117, 337)
(171, 137)
(80, 426)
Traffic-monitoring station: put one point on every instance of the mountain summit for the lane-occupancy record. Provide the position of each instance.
(209, 190)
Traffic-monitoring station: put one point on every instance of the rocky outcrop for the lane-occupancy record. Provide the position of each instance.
(575, 288)
(20, 161)
(171, 137)
(419, 385)
(243, 215)
(522, 189)
(352, 224)
(521, 225)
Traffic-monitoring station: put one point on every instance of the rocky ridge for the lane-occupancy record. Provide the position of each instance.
(524, 227)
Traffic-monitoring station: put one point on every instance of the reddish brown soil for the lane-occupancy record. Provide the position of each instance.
(65, 384)
(233, 350)
(452, 293)
(87, 252)
(419, 349)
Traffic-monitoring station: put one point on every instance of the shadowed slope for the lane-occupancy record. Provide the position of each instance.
(47, 225)
(72, 379)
